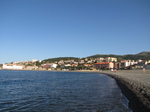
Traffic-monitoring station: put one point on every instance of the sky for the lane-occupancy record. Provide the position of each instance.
(42, 29)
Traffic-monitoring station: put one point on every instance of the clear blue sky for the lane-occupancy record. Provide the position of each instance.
(41, 29)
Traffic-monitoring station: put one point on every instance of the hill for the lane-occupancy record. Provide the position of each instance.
(142, 55)
(52, 60)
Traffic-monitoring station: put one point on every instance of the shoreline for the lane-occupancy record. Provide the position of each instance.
(134, 84)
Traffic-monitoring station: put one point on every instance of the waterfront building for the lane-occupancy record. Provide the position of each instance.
(12, 67)
(50, 65)
(117, 65)
(127, 63)
(104, 65)
(53, 65)
(32, 67)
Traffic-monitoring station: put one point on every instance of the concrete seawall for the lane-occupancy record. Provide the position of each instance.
(137, 82)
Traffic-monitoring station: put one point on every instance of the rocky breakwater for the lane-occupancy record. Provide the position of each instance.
(135, 84)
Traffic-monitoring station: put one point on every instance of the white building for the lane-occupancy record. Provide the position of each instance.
(111, 59)
(67, 65)
(13, 67)
(34, 60)
(53, 65)
(99, 59)
(127, 63)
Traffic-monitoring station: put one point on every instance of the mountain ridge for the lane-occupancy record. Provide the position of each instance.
(142, 55)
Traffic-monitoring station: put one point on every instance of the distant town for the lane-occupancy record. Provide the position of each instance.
(70, 63)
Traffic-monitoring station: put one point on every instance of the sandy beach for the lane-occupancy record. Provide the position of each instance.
(135, 84)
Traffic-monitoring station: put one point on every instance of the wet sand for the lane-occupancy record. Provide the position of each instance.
(135, 85)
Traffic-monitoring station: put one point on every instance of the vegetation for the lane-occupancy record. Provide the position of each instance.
(1, 65)
(142, 55)
(86, 63)
(38, 63)
(52, 60)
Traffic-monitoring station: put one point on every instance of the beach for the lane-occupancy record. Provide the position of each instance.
(135, 85)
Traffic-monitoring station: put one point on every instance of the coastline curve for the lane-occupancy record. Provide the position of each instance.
(135, 86)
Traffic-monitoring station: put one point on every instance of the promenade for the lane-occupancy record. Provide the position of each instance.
(135, 84)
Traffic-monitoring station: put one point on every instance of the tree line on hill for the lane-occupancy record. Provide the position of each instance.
(52, 60)
(142, 56)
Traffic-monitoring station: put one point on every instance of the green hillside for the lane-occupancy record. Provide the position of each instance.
(142, 55)
(52, 60)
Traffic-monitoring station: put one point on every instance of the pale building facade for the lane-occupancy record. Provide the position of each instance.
(104, 65)
(110, 59)
(13, 67)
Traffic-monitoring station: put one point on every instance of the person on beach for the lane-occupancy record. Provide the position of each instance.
(144, 69)
(115, 70)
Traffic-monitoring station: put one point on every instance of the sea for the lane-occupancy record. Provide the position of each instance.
(48, 91)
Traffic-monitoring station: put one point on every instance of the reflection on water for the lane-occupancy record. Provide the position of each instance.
(59, 92)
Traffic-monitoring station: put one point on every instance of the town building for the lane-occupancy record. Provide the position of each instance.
(67, 65)
(127, 63)
(12, 67)
(87, 65)
(53, 65)
(81, 61)
(99, 60)
(34, 60)
(110, 59)
(74, 65)
(32, 67)
(49, 65)
(104, 65)
(117, 65)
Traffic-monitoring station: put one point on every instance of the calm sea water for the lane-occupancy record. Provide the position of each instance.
(44, 91)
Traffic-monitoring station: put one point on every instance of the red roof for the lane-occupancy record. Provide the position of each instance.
(87, 64)
(102, 63)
